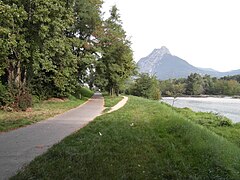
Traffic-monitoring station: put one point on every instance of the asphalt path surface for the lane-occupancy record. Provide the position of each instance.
(20, 146)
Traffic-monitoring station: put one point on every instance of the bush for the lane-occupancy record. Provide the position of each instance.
(146, 86)
(81, 92)
(5, 98)
(25, 101)
(36, 99)
(225, 122)
(85, 92)
(15, 98)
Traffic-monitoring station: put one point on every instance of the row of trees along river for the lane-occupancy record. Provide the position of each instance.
(48, 48)
(195, 84)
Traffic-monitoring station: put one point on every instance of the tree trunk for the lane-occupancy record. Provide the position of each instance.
(18, 75)
(25, 77)
(17, 82)
(10, 74)
(111, 92)
(117, 92)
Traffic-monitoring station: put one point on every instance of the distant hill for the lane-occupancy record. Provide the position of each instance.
(207, 69)
(166, 66)
(232, 73)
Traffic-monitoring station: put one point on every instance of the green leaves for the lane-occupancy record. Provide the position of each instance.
(50, 46)
(12, 42)
(116, 56)
(146, 86)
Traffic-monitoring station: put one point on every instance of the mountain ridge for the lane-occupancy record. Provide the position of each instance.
(164, 65)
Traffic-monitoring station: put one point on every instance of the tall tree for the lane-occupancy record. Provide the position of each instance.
(86, 30)
(146, 86)
(53, 64)
(35, 48)
(13, 48)
(194, 84)
(116, 64)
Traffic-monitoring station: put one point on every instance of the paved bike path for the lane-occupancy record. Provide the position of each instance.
(20, 146)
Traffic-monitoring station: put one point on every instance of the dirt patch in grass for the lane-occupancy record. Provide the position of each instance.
(56, 100)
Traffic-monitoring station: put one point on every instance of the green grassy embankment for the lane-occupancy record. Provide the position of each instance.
(218, 124)
(40, 111)
(143, 140)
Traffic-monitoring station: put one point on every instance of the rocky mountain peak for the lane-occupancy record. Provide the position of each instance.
(163, 50)
(147, 64)
(157, 54)
(161, 63)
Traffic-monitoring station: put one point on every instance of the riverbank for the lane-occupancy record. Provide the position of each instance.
(228, 107)
(206, 96)
(144, 140)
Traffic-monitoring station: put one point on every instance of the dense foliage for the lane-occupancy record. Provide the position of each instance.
(149, 87)
(145, 86)
(236, 78)
(196, 84)
(50, 47)
(116, 64)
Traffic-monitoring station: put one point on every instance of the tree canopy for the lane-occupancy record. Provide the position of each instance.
(116, 64)
(146, 86)
(50, 47)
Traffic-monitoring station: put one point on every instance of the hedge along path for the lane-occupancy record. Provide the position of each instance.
(20, 146)
(119, 104)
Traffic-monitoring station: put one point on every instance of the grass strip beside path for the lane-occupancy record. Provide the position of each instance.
(110, 101)
(143, 140)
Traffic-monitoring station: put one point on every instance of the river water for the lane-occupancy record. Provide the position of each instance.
(223, 106)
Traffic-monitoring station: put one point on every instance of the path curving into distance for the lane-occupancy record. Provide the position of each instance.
(119, 104)
(20, 146)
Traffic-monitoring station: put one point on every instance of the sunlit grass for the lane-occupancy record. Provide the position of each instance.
(143, 140)
(110, 101)
(218, 124)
